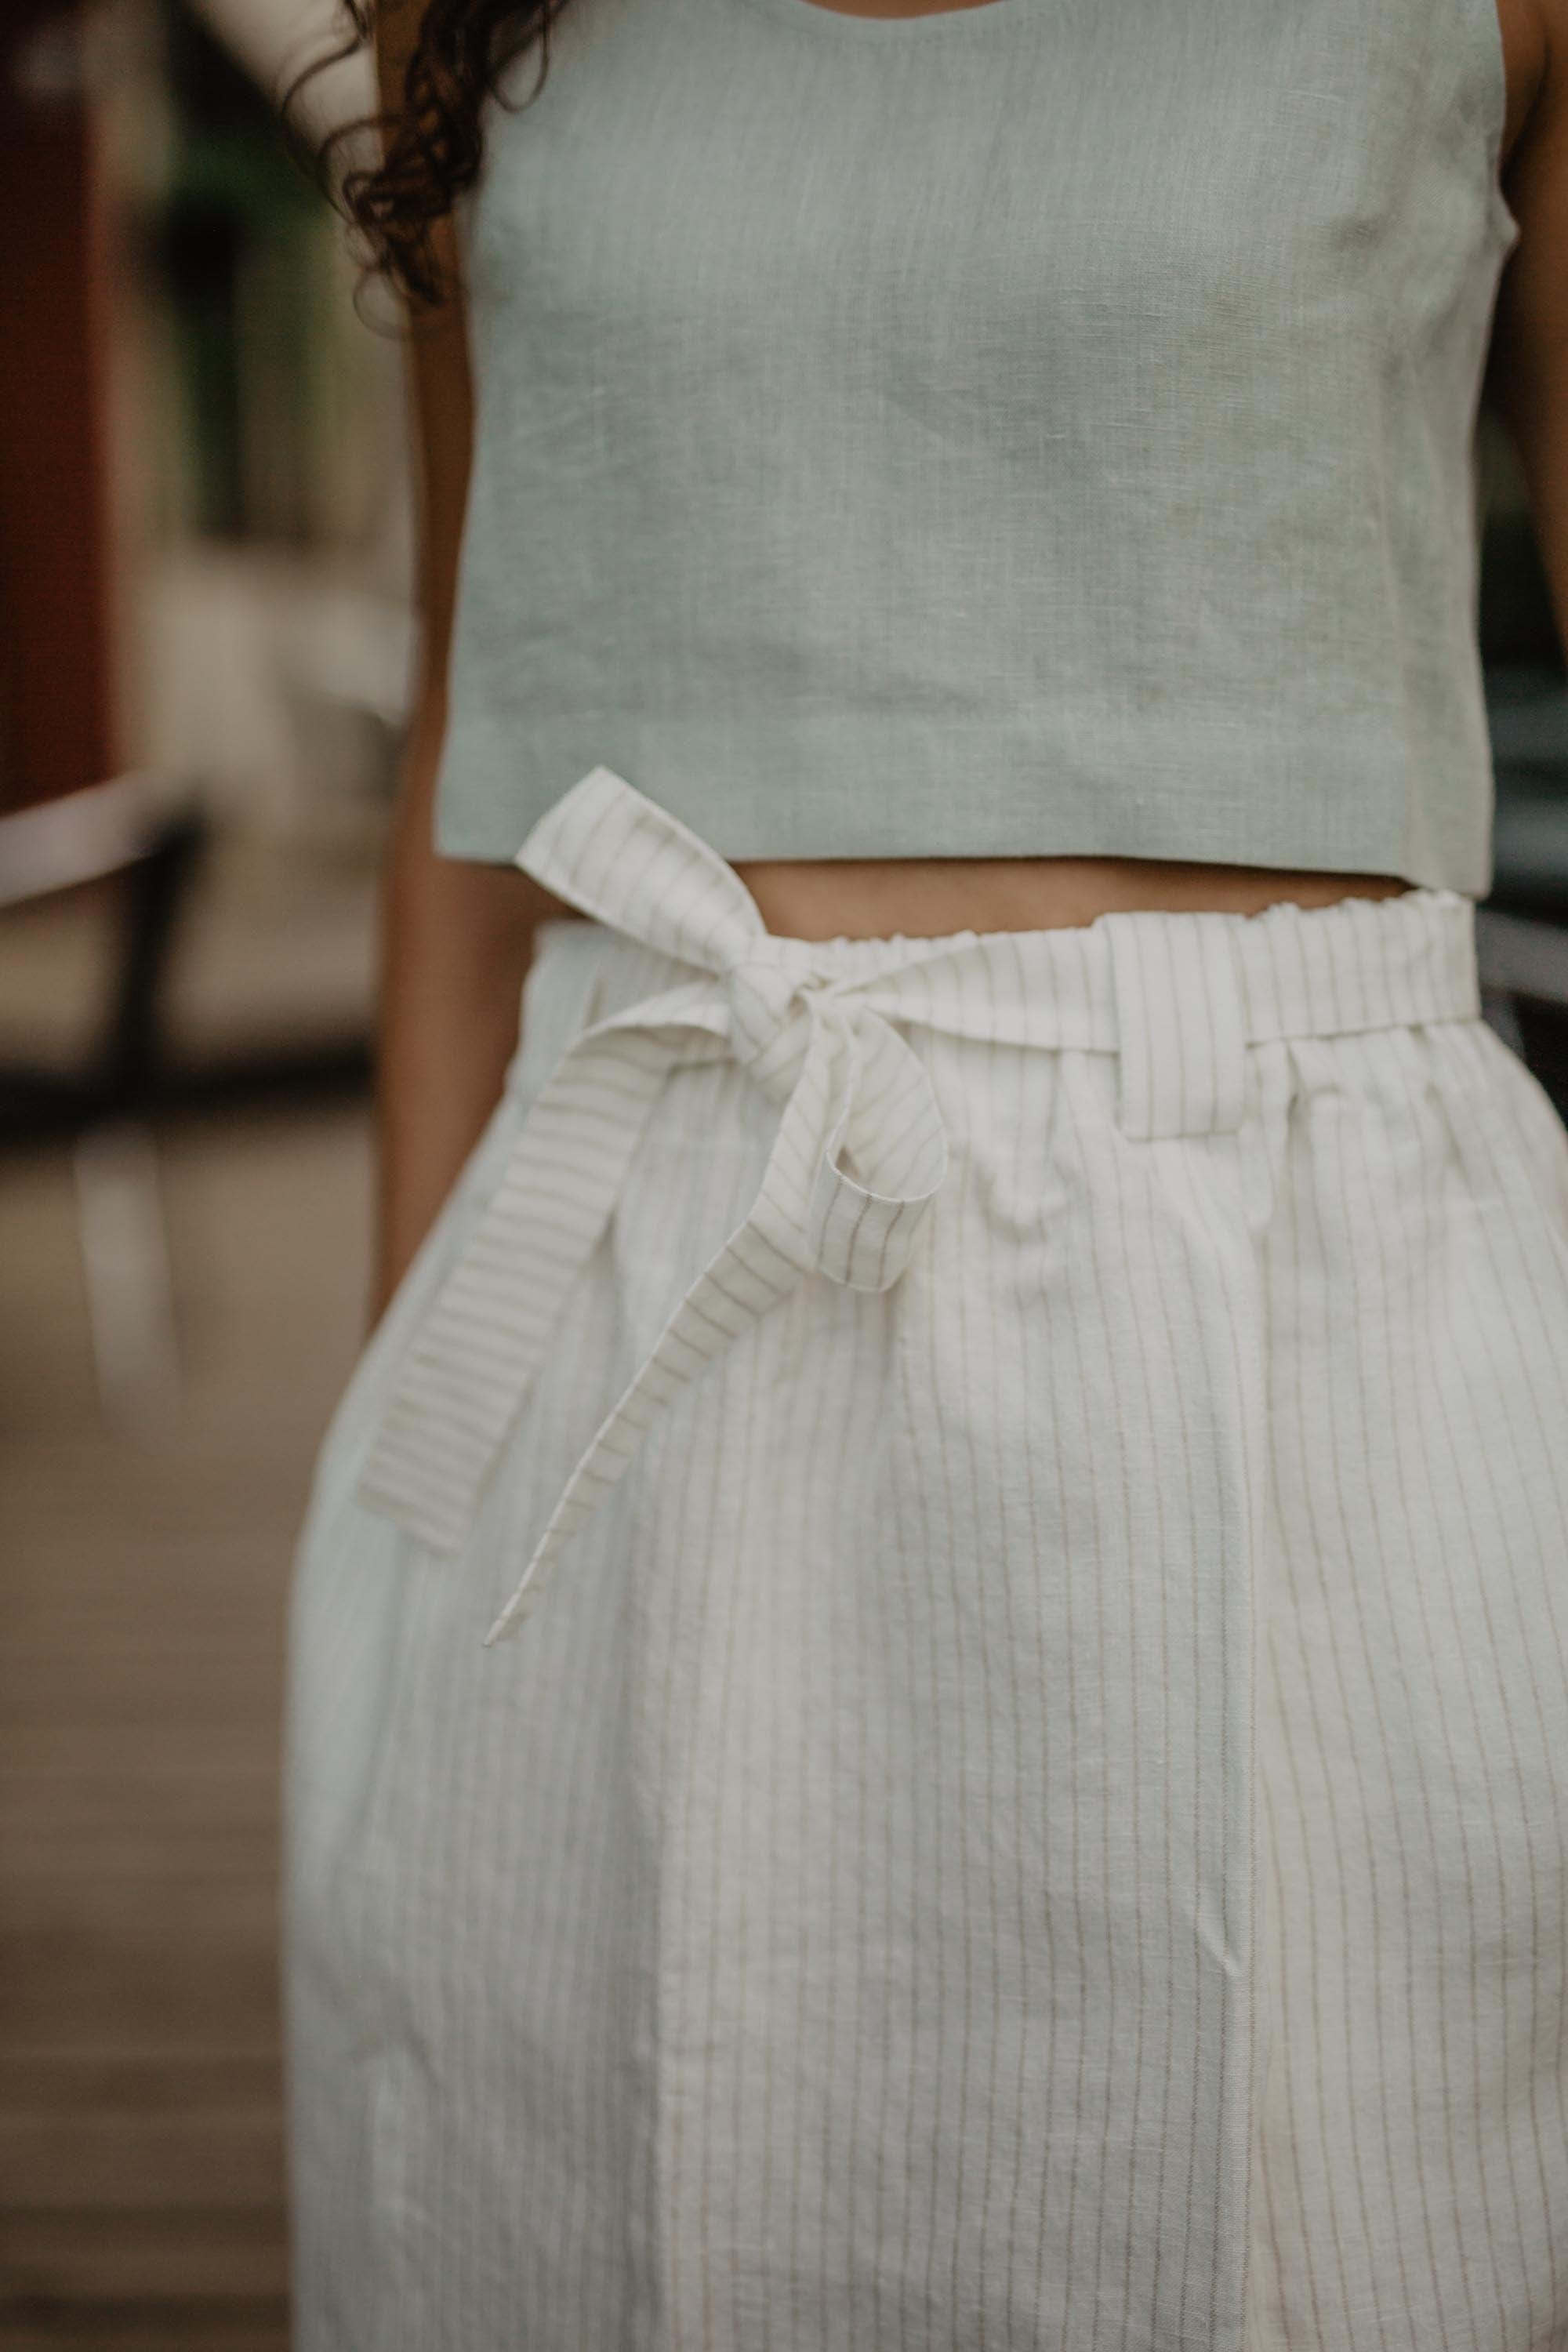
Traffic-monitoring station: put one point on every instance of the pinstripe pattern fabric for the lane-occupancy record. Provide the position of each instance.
(1031, 1812)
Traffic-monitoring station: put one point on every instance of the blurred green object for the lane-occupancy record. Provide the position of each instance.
(241, 240)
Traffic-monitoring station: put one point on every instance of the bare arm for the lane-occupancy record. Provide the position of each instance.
(456, 937)
(1529, 369)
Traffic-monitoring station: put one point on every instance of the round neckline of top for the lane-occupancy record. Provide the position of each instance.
(844, 23)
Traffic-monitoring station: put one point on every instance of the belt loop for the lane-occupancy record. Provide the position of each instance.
(1181, 1022)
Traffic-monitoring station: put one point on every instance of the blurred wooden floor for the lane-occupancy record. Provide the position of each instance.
(142, 1580)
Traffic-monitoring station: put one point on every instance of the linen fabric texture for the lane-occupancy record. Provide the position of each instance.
(1045, 428)
(1029, 1808)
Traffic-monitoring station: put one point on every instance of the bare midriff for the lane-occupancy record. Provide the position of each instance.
(928, 898)
(932, 898)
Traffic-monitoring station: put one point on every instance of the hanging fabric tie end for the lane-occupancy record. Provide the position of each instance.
(859, 1153)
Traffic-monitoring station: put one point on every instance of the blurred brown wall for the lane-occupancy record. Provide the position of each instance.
(57, 723)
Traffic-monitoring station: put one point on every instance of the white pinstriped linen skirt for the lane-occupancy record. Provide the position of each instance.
(1025, 1806)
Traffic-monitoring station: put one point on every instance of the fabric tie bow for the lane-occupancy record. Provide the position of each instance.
(860, 1151)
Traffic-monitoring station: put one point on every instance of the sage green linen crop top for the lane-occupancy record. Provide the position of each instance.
(1045, 428)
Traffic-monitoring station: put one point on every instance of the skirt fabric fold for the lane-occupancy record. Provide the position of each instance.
(1019, 1484)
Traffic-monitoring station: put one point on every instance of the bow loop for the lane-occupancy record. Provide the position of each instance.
(877, 1175)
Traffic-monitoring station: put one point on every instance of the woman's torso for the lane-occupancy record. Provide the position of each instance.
(834, 880)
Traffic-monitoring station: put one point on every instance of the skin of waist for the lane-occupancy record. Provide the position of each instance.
(928, 898)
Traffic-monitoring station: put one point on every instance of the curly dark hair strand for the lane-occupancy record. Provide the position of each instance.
(429, 150)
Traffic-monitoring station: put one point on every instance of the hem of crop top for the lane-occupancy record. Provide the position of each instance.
(1347, 814)
(1190, 844)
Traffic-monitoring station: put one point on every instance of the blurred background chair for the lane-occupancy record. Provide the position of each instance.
(137, 849)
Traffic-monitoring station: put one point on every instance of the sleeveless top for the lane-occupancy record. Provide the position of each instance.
(1046, 427)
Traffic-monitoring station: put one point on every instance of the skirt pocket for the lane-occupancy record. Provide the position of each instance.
(557, 1003)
